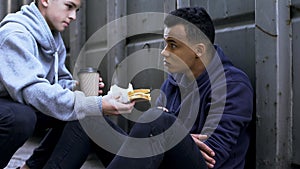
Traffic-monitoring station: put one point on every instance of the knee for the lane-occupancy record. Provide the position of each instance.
(27, 120)
(154, 121)
(21, 122)
(157, 117)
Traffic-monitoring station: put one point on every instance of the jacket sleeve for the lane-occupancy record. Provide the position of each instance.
(23, 76)
(228, 117)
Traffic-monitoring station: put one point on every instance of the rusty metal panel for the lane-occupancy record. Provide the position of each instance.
(147, 78)
(10, 6)
(238, 44)
(27, 1)
(273, 82)
(296, 81)
(3, 9)
(96, 16)
(221, 9)
(147, 43)
(13, 5)
(134, 6)
(296, 2)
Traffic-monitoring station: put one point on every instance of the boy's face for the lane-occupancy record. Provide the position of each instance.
(60, 13)
(179, 57)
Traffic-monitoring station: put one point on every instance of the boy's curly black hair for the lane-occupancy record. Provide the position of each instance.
(196, 16)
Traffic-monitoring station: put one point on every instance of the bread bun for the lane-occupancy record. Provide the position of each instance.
(138, 95)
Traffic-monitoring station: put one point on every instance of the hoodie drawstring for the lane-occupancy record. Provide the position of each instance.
(56, 66)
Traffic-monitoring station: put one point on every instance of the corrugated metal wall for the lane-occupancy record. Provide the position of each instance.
(274, 58)
(8, 6)
(295, 13)
(260, 36)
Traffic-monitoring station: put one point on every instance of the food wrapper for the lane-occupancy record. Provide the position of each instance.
(120, 94)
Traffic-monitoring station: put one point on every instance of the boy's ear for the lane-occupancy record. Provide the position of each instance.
(44, 3)
(200, 50)
(202, 53)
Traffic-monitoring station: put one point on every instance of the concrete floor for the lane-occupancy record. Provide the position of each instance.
(24, 152)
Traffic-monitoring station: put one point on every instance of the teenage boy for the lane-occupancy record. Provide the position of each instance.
(35, 86)
(212, 99)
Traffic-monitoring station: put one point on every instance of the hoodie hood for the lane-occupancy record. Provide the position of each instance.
(30, 17)
(33, 70)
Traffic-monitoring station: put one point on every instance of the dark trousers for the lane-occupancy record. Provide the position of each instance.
(73, 148)
(17, 123)
(75, 144)
(170, 151)
(173, 149)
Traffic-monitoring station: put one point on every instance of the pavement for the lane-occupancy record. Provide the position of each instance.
(25, 151)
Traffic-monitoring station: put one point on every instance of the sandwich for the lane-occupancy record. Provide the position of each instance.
(124, 95)
(138, 95)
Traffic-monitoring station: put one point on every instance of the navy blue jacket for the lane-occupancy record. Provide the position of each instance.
(219, 103)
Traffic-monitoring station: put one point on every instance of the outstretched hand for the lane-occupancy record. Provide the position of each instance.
(206, 151)
(111, 106)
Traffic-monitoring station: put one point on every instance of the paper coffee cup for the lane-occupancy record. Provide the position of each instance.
(89, 81)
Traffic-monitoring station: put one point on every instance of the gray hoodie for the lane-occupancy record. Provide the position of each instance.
(32, 69)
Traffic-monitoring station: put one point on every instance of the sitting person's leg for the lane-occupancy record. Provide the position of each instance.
(167, 145)
(185, 155)
(75, 145)
(17, 122)
(42, 153)
(103, 153)
(71, 150)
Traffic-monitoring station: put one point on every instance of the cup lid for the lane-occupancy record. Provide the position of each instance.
(88, 70)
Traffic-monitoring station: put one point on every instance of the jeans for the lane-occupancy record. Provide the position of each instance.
(75, 144)
(42, 153)
(17, 123)
(166, 152)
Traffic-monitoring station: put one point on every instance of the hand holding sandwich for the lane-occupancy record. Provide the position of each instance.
(111, 106)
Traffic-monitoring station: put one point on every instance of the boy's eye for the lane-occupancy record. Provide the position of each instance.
(69, 6)
(173, 46)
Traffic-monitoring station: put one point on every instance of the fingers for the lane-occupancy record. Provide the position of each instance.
(206, 151)
(200, 136)
(208, 160)
(101, 86)
(122, 108)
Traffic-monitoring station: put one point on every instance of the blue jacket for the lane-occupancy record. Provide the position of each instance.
(219, 103)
